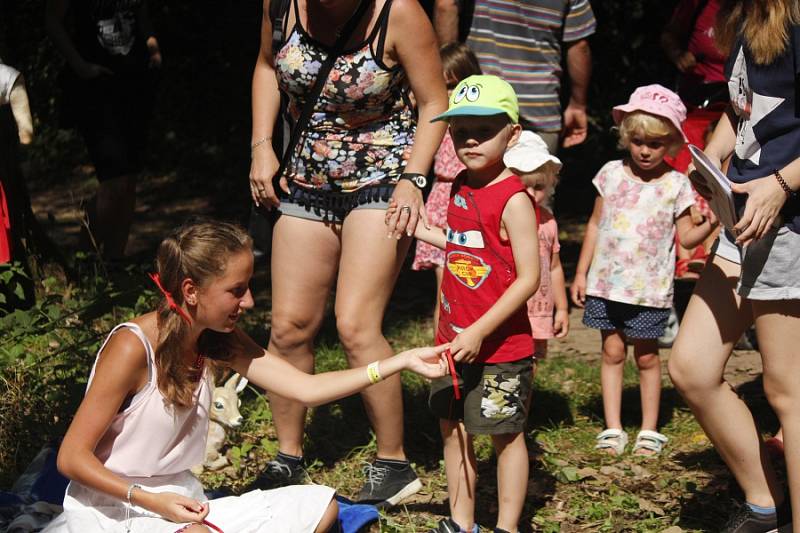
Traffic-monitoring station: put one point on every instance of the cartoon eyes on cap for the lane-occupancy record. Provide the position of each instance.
(470, 92)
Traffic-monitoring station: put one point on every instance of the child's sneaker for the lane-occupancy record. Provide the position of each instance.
(388, 483)
(447, 525)
(745, 520)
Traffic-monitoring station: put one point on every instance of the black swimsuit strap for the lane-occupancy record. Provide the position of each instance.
(382, 26)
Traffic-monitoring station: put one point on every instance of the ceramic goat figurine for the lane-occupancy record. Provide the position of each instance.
(224, 414)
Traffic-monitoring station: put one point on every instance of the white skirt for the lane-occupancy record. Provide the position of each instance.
(294, 509)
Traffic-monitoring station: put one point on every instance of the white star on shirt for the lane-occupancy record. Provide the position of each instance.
(751, 107)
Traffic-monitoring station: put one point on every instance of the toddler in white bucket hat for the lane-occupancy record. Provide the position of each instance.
(531, 161)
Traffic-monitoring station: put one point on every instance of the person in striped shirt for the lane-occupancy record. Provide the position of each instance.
(522, 41)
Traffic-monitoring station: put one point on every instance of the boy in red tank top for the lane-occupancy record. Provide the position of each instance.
(492, 269)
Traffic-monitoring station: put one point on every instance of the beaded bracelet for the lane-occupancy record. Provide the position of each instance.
(130, 504)
(782, 183)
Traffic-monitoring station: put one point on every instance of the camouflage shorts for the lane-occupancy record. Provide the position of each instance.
(493, 396)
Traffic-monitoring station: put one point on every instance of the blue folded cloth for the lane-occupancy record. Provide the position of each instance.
(353, 517)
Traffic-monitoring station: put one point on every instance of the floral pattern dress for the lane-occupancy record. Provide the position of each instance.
(633, 259)
(362, 127)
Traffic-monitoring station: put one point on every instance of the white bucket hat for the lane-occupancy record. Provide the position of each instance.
(529, 153)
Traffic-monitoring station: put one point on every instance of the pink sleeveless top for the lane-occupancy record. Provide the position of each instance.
(150, 437)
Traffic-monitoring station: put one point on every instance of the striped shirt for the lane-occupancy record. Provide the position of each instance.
(520, 41)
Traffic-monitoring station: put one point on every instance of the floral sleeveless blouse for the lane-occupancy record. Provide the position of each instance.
(362, 127)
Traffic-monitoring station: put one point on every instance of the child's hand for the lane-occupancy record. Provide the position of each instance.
(561, 323)
(577, 291)
(429, 361)
(697, 179)
(466, 346)
(391, 211)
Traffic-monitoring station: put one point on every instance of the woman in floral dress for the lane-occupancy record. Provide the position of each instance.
(363, 146)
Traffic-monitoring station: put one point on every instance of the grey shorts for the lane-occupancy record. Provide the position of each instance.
(726, 248)
(771, 267)
(332, 206)
(493, 396)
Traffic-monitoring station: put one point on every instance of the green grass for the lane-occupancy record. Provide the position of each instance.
(47, 351)
(572, 487)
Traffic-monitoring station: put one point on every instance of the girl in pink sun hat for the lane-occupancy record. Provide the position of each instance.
(625, 271)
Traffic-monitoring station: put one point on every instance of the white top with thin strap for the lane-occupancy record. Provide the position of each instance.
(151, 437)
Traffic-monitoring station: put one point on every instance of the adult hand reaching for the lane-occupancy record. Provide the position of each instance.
(429, 361)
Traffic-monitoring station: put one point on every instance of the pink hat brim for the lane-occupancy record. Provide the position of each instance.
(618, 114)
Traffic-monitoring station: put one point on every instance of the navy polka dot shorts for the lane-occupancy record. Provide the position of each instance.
(634, 321)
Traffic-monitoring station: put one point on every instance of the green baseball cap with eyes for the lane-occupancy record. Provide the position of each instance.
(482, 95)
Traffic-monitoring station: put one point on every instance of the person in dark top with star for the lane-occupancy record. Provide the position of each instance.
(760, 134)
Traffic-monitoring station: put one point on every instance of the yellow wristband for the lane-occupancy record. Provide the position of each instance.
(374, 373)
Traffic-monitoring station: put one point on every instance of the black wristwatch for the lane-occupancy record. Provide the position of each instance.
(420, 181)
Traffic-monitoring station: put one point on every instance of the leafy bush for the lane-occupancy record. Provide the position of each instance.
(46, 353)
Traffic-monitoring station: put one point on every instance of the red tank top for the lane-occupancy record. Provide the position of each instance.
(479, 268)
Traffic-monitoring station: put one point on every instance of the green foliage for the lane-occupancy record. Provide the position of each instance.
(46, 353)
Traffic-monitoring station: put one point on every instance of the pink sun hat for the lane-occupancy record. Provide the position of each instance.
(656, 100)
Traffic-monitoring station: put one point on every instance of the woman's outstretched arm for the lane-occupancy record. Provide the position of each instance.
(276, 375)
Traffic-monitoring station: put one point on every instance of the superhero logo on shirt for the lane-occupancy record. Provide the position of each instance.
(467, 239)
(469, 269)
(460, 201)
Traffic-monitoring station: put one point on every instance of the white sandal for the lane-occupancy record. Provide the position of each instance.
(650, 440)
(612, 439)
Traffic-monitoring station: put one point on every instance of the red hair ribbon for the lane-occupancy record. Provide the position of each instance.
(170, 301)
(452, 366)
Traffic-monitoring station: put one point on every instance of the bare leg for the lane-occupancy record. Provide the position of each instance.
(611, 377)
(512, 478)
(713, 322)
(778, 327)
(329, 518)
(304, 258)
(461, 469)
(367, 272)
(645, 351)
(110, 219)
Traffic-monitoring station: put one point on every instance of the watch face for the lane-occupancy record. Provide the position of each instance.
(420, 181)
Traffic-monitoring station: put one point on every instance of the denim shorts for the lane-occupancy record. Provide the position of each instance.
(333, 206)
(493, 396)
(634, 321)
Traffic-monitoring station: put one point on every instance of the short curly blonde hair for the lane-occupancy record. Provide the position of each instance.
(545, 176)
(650, 127)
